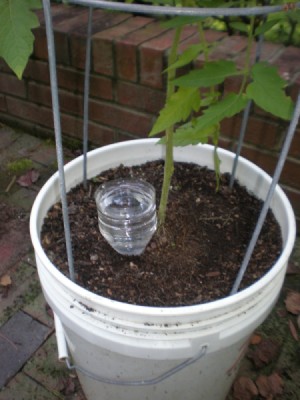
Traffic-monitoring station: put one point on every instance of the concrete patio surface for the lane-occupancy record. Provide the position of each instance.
(29, 368)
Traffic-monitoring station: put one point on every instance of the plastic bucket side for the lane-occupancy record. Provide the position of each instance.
(115, 331)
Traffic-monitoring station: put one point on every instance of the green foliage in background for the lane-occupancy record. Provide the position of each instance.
(196, 102)
(17, 20)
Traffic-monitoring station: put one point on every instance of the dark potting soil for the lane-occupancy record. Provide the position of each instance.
(193, 259)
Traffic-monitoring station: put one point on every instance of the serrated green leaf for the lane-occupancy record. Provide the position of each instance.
(266, 90)
(187, 56)
(188, 134)
(207, 125)
(213, 73)
(226, 108)
(177, 109)
(16, 39)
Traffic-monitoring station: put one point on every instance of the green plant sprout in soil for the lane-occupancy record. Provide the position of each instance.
(197, 102)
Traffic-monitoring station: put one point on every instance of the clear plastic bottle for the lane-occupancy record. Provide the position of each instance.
(127, 214)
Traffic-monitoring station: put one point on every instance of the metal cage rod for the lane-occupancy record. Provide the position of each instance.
(280, 164)
(57, 132)
(245, 119)
(86, 95)
(182, 11)
(159, 10)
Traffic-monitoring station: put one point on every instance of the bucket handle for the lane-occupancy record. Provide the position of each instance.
(64, 355)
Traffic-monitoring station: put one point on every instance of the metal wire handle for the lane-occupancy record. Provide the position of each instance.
(142, 382)
(63, 354)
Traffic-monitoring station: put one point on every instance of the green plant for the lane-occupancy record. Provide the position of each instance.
(17, 20)
(19, 166)
(196, 103)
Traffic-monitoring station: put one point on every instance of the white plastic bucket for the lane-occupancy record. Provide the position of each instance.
(130, 352)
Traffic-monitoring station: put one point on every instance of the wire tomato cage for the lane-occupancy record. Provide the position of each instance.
(166, 11)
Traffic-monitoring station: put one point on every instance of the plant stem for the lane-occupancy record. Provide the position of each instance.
(169, 160)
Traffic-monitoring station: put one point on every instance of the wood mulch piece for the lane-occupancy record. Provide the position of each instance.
(193, 259)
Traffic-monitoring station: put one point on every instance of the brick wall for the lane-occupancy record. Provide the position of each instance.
(127, 85)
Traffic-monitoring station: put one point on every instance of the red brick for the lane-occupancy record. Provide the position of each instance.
(70, 79)
(290, 173)
(4, 67)
(210, 36)
(74, 20)
(101, 135)
(73, 80)
(40, 49)
(288, 62)
(260, 132)
(101, 21)
(68, 102)
(126, 50)
(59, 12)
(233, 84)
(62, 48)
(39, 94)
(120, 117)
(153, 60)
(294, 197)
(62, 17)
(295, 146)
(140, 97)
(101, 87)
(265, 161)
(60, 42)
(37, 71)
(56, 10)
(103, 43)
(12, 85)
(228, 48)
(78, 51)
(30, 112)
(268, 52)
(2, 103)
(97, 134)
(293, 88)
(68, 33)
(71, 125)
(153, 57)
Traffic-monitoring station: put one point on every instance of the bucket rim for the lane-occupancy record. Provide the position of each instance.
(150, 310)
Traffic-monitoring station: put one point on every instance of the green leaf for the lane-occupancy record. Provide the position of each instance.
(267, 92)
(177, 109)
(181, 21)
(226, 108)
(207, 125)
(265, 27)
(187, 56)
(294, 15)
(188, 134)
(16, 39)
(240, 26)
(213, 73)
(34, 4)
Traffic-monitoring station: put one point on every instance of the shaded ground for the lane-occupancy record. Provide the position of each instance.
(272, 362)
